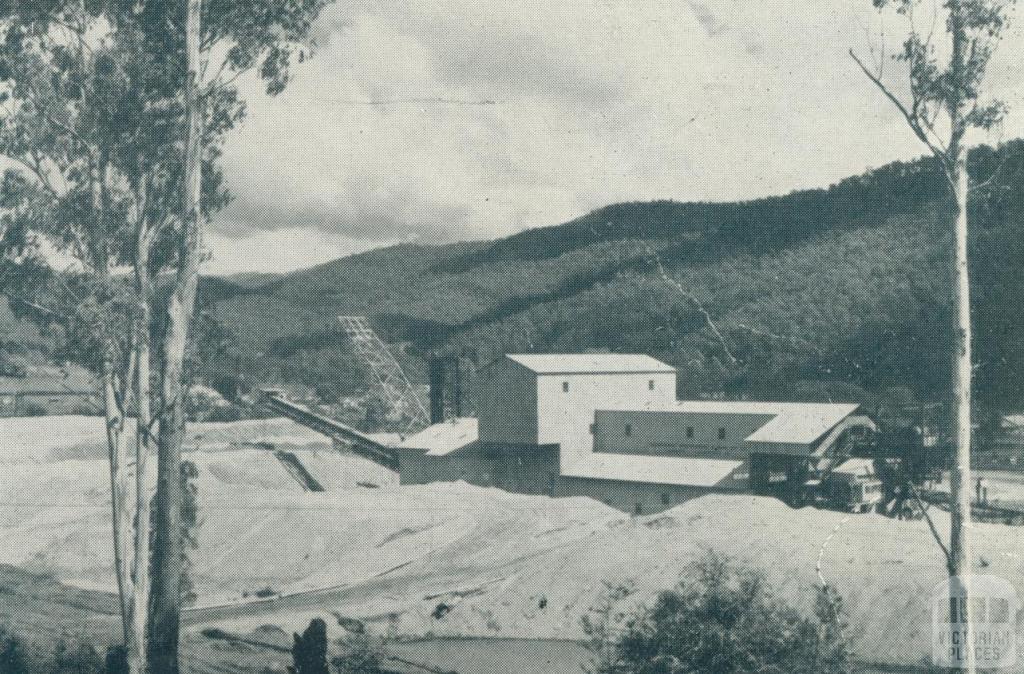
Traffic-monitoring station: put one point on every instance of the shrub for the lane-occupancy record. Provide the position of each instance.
(720, 619)
(116, 661)
(82, 660)
(34, 410)
(362, 656)
(12, 655)
(310, 650)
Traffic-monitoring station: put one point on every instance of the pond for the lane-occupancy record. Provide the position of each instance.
(486, 656)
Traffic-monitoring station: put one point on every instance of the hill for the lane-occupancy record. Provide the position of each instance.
(836, 292)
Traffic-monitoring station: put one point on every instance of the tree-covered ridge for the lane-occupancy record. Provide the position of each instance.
(844, 285)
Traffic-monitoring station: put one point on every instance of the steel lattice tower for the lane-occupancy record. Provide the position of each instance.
(387, 374)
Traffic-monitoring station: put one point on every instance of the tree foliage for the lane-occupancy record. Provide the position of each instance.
(12, 654)
(724, 619)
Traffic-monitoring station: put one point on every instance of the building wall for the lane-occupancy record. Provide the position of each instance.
(564, 417)
(627, 496)
(521, 469)
(668, 433)
(506, 402)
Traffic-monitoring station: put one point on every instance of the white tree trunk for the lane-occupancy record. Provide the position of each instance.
(960, 475)
(137, 643)
(169, 552)
(120, 494)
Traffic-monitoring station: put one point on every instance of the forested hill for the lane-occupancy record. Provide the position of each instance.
(839, 292)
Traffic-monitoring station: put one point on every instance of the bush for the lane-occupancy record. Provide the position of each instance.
(362, 656)
(82, 660)
(34, 410)
(309, 652)
(12, 655)
(719, 619)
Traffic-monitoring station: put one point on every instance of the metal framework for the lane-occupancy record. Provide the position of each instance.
(387, 374)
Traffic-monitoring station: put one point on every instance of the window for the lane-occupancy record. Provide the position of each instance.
(639, 510)
(565, 387)
(721, 434)
(689, 431)
(650, 385)
(628, 430)
(664, 499)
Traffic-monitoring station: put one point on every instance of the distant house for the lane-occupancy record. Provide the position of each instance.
(609, 426)
(47, 392)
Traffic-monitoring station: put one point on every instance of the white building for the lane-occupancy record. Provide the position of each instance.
(609, 426)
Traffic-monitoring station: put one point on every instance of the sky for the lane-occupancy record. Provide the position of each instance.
(442, 120)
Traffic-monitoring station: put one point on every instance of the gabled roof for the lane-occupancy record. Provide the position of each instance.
(656, 470)
(802, 423)
(445, 437)
(589, 363)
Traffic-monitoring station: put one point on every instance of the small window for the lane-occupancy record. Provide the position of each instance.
(639, 510)
(689, 431)
(664, 499)
(628, 430)
(565, 387)
(721, 434)
(650, 385)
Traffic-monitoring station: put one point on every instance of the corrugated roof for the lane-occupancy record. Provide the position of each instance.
(656, 470)
(787, 423)
(445, 437)
(802, 423)
(573, 363)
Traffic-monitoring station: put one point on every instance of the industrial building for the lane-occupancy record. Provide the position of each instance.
(608, 426)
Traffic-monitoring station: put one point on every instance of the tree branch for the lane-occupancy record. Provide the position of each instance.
(931, 525)
(913, 120)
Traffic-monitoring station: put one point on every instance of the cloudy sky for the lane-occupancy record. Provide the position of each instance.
(441, 120)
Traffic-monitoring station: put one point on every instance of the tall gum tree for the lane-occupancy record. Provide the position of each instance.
(209, 46)
(106, 164)
(80, 178)
(943, 103)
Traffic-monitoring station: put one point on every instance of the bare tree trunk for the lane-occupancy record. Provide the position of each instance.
(123, 507)
(960, 475)
(169, 552)
(119, 494)
(137, 644)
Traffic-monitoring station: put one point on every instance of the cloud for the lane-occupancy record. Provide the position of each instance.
(707, 18)
(359, 209)
(282, 249)
(440, 120)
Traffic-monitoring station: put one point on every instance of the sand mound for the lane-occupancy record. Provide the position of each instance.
(451, 559)
(59, 438)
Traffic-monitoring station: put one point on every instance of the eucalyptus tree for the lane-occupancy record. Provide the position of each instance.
(84, 216)
(221, 40)
(944, 101)
(114, 113)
